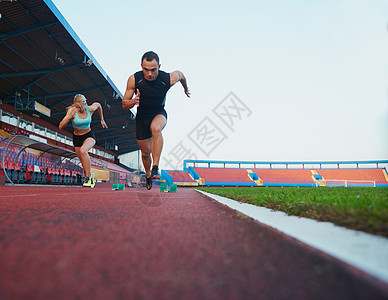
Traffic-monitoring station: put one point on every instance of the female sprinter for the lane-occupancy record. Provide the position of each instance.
(83, 138)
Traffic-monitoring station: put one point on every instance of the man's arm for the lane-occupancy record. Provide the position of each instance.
(129, 102)
(177, 76)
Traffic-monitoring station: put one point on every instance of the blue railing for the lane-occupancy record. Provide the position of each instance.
(256, 164)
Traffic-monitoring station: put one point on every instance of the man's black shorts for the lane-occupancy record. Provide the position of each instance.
(78, 140)
(143, 125)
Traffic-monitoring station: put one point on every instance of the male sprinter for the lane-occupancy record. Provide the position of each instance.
(147, 90)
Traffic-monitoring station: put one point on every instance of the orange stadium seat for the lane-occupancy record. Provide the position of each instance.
(225, 177)
(301, 177)
(354, 176)
(182, 178)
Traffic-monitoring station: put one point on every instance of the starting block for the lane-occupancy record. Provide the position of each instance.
(118, 187)
(164, 187)
(173, 188)
(166, 183)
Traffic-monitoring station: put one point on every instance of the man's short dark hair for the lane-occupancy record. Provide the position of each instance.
(149, 56)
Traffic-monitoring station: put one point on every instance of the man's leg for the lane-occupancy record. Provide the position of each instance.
(157, 125)
(145, 148)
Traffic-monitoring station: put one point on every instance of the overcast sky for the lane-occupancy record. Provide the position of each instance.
(270, 80)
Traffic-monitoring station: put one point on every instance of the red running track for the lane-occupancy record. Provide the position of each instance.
(77, 243)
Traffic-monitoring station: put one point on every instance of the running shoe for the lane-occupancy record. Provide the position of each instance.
(93, 182)
(155, 172)
(87, 182)
(148, 183)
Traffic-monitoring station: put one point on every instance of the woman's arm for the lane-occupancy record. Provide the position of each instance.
(69, 116)
(97, 106)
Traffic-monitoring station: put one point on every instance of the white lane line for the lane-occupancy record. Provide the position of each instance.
(362, 250)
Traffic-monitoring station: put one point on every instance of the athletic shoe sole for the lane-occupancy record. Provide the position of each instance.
(155, 175)
(93, 182)
(149, 185)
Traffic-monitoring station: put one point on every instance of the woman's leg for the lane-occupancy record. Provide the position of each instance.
(83, 155)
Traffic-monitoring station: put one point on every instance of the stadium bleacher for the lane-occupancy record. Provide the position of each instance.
(31, 106)
(25, 164)
(375, 177)
(182, 178)
(225, 177)
(283, 175)
(26, 161)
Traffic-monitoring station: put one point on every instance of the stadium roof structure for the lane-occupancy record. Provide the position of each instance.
(43, 64)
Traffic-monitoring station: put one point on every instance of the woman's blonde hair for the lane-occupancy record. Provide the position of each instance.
(78, 98)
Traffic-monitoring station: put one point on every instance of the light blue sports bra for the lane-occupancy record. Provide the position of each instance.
(82, 123)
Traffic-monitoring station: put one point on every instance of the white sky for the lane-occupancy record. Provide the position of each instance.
(312, 73)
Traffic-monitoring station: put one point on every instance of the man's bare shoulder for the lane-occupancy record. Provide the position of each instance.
(131, 79)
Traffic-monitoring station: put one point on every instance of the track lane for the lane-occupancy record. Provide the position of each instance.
(131, 244)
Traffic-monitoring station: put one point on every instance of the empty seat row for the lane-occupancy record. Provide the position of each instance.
(30, 174)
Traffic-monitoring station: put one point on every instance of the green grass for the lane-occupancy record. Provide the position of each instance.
(359, 208)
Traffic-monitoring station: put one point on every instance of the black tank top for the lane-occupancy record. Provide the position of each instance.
(152, 93)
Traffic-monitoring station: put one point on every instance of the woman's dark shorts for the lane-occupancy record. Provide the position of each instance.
(143, 125)
(78, 140)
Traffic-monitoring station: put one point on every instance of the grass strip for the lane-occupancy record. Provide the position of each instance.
(358, 208)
